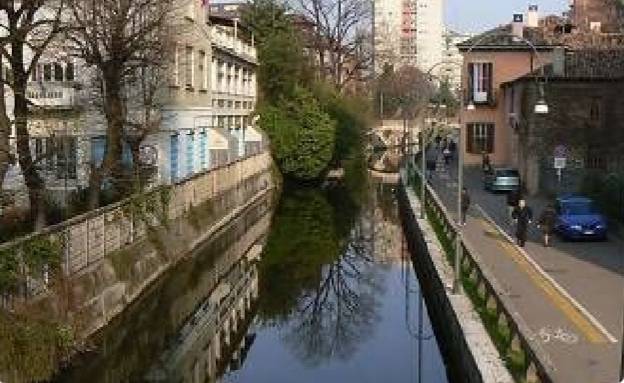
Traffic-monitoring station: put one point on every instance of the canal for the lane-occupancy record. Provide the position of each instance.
(315, 287)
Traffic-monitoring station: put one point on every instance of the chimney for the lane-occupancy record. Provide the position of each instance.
(517, 26)
(559, 62)
(533, 16)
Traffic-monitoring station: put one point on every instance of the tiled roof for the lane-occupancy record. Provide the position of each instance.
(501, 37)
(585, 64)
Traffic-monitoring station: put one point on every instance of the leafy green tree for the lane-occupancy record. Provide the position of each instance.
(280, 51)
(302, 135)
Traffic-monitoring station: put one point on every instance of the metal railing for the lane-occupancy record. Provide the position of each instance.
(525, 359)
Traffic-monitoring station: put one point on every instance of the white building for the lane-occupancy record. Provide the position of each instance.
(408, 32)
(207, 105)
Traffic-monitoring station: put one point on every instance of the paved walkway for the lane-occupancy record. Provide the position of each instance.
(570, 294)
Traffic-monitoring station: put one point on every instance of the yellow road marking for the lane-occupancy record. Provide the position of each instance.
(561, 302)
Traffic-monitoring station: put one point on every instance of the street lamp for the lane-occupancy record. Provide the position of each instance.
(541, 107)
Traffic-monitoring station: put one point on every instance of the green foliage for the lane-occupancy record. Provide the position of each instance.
(304, 239)
(32, 349)
(302, 135)
(280, 51)
(42, 251)
(9, 271)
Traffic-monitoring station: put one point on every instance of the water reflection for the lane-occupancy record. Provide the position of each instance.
(317, 282)
(190, 322)
(329, 295)
(339, 300)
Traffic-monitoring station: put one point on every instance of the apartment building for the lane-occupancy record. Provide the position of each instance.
(206, 105)
(408, 32)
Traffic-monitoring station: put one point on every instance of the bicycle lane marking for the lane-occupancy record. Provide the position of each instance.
(572, 309)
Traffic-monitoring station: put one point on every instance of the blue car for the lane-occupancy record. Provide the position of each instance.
(578, 218)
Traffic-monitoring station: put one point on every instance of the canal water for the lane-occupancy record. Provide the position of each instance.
(317, 287)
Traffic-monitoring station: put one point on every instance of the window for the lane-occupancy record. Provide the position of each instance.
(480, 82)
(66, 158)
(480, 138)
(34, 73)
(58, 72)
(188, 67)
(201, 70)
(47, 72)
(69, 72)
(176, 66)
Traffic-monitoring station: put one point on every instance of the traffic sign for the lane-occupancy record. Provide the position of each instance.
(560, 163)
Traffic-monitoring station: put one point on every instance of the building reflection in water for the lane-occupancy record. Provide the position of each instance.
(191, 325)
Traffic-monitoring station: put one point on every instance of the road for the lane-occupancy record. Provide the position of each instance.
(569, 294)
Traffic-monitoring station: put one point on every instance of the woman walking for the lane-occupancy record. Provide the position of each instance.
(523, 216)
(547, 223)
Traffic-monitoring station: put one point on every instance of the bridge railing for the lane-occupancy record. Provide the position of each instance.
(525, 359)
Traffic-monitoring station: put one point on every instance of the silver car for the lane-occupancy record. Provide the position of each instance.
(502, 179)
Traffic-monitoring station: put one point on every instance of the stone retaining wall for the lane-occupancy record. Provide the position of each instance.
(465, 343)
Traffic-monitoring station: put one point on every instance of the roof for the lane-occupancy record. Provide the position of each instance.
(501, 38)
(592, 64)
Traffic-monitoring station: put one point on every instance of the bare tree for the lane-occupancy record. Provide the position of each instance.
(404, 92)
(30, 28)
(338, 39)
(120, 40)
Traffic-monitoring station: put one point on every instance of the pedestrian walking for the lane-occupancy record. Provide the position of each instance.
(465, 205)
(452, 147)
(486, 164)
(547, 223)
(523, 216)
(512, 202)
(446, 153)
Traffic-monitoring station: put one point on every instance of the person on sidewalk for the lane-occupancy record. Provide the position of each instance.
(465, 204)
(523, 216)
(547, 223)
(512, 202)
(486, 164)
(447, 155)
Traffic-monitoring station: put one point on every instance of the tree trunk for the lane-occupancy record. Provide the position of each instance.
(5, 132)
(115, 117)
(32, 178)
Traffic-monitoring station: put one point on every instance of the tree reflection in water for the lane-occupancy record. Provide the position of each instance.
(317, 277)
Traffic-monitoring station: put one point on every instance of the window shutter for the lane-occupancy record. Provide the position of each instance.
(470, 138)
(490, 138)
(471, 80)
(490, 75)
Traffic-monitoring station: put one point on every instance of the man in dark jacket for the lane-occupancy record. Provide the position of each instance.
(523, 216)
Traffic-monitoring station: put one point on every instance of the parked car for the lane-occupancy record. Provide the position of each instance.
(579, 218)
(502, 179)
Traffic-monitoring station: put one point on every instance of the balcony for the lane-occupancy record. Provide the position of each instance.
(482, 99)
(55, 95)
(227, 42)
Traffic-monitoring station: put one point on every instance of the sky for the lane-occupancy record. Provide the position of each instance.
(480, 15)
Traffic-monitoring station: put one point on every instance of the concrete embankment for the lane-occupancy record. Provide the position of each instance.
(468, 349)
(111, 256)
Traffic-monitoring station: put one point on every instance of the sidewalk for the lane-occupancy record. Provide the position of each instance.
(570, 294)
